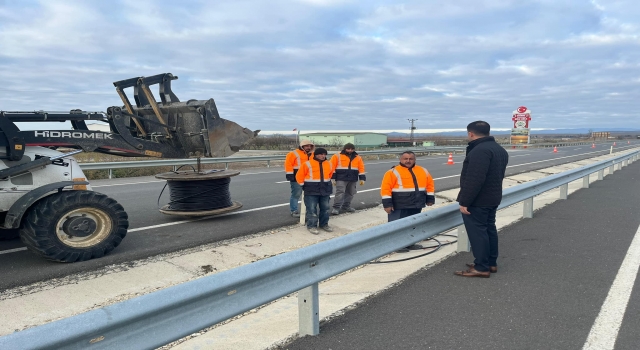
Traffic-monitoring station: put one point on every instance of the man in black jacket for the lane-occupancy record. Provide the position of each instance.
(480, 194)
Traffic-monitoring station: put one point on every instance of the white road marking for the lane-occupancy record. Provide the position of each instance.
(604, 331)
(13, 250)
(281, 182)
(264, 172)
(128, 183)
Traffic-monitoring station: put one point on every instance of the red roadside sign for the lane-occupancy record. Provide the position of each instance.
(521, 118)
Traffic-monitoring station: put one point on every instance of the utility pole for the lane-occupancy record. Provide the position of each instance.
(412, 128)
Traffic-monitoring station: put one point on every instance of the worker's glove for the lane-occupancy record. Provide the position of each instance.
(431, 200)
(333, 182)
(361, 182)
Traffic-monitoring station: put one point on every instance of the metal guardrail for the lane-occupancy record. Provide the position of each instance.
(178, 162)
(192, 161)
(158, 318)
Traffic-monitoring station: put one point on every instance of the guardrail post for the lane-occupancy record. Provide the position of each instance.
(110, 173)
(463, 240)
(600, 174)
(585, 181)
(612, 168)
(309, 311)
(268, 164)
(302, 209)
(175, 168)
(564, 191)
(226, 166)
(527, 208)
(625, 162)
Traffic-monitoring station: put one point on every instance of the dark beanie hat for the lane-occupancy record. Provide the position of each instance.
(320, 151)
(349, 146)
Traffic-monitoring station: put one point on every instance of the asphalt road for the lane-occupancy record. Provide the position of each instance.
(264, 194)
(555, 272)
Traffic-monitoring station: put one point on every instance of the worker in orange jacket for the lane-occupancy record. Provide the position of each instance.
(291, 165)
(314, 176)
(406, 188)
(349, 170)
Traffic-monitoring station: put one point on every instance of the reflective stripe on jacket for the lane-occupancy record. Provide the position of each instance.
(315, 177)
(348, 167)
(405, 188)
(292, 162)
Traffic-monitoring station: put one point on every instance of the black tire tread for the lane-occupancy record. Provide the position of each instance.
(37, 231)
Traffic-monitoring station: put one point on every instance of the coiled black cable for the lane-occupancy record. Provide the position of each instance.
(198, 195)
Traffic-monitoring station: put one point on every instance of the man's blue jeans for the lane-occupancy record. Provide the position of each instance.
(296, 192)
(312, 202)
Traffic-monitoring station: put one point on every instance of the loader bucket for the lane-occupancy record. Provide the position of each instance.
(193, 126)
(199, 130)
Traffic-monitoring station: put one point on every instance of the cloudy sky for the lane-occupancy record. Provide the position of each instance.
(335, 64)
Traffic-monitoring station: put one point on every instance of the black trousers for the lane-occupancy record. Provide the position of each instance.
(483, 236)
(402, 213)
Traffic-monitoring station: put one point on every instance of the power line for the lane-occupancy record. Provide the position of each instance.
(412, 128)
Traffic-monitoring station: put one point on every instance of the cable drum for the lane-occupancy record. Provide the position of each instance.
(203, 193)
(199, 195)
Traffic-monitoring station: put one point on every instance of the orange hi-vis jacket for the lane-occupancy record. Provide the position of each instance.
(293, 160)
(348, 167)
(407, 188)
(315, 177)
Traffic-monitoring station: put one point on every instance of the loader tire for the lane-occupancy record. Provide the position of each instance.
(74, 226)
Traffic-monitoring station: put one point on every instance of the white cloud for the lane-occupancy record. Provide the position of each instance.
(334, 64)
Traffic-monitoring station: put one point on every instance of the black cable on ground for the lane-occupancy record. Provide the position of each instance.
(440, 245)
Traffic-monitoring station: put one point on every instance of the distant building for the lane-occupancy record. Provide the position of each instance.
(338, 139)
(406, 142)
(600, 135)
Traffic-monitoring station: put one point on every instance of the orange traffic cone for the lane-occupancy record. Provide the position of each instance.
(555, 149)
(593, 145)
(450, 160)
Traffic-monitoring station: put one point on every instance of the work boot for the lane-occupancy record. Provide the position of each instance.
(327, 228)
(313, 230)
(295, 214)
(350, 210)
(335, 211)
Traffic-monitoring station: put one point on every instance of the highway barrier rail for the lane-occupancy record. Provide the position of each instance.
(226, 160)
(158, 318)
